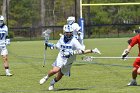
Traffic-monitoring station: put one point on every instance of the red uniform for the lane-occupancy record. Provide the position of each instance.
(133, 41)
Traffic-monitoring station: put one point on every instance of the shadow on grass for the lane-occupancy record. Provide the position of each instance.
(133, 86)
(70, 89)
(3, 75)
(78, 64)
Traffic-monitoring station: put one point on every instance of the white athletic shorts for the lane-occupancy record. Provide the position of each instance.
(64, 64)
(3, 50)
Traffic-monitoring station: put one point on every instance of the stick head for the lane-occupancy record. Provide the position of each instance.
(87, 58)
(60, 34)
(46, 34)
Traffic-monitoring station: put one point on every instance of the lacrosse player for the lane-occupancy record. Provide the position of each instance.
(68, 46)
(3, 43)
(136, 65)
(76, 33)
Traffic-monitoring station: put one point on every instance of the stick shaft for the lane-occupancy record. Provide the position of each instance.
(46, 34)
(112, 57)
(44, 62)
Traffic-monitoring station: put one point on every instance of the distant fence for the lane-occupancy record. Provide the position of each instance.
(31, 33)
(110, 30)
(115, 31)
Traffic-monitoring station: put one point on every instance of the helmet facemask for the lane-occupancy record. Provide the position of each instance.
(70, 22)
(68, 36)
(1, 22)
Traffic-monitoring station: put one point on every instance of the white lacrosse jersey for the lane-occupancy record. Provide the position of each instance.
(69, 46)
(76, 28)
(3, 34)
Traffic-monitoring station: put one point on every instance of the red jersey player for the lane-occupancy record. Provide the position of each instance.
(136, 65)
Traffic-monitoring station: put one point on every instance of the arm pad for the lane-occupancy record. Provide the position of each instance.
(78, 52)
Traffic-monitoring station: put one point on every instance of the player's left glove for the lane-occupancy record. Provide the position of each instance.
(79, 33)
(67, 54)
(125, 54)
(7, 41)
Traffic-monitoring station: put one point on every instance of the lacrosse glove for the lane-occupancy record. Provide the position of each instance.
(7, 41)
(125, 54)
(51, 45)
(79, 33)
(67, 54)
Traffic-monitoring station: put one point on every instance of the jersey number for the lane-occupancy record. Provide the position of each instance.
(1, 36)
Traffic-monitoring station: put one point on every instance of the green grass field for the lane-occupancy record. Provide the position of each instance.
(98, 76)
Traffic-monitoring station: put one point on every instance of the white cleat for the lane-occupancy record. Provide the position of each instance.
(43, 80)
(8, 74)
(132, 83)
(51, 87)
(96, 51)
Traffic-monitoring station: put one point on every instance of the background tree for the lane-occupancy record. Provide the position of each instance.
(5, 8)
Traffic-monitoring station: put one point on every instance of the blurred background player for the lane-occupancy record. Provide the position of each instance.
(137, 30)
(3, 43)
(136, 65)
(77, 29)
(68, 46)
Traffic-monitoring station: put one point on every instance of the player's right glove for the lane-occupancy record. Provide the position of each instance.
(7, 41)
(125, 54)
(51, 45)
(79, 33)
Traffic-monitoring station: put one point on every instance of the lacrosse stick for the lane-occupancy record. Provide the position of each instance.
(60, 34)
(46, 35)
(91, 58)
